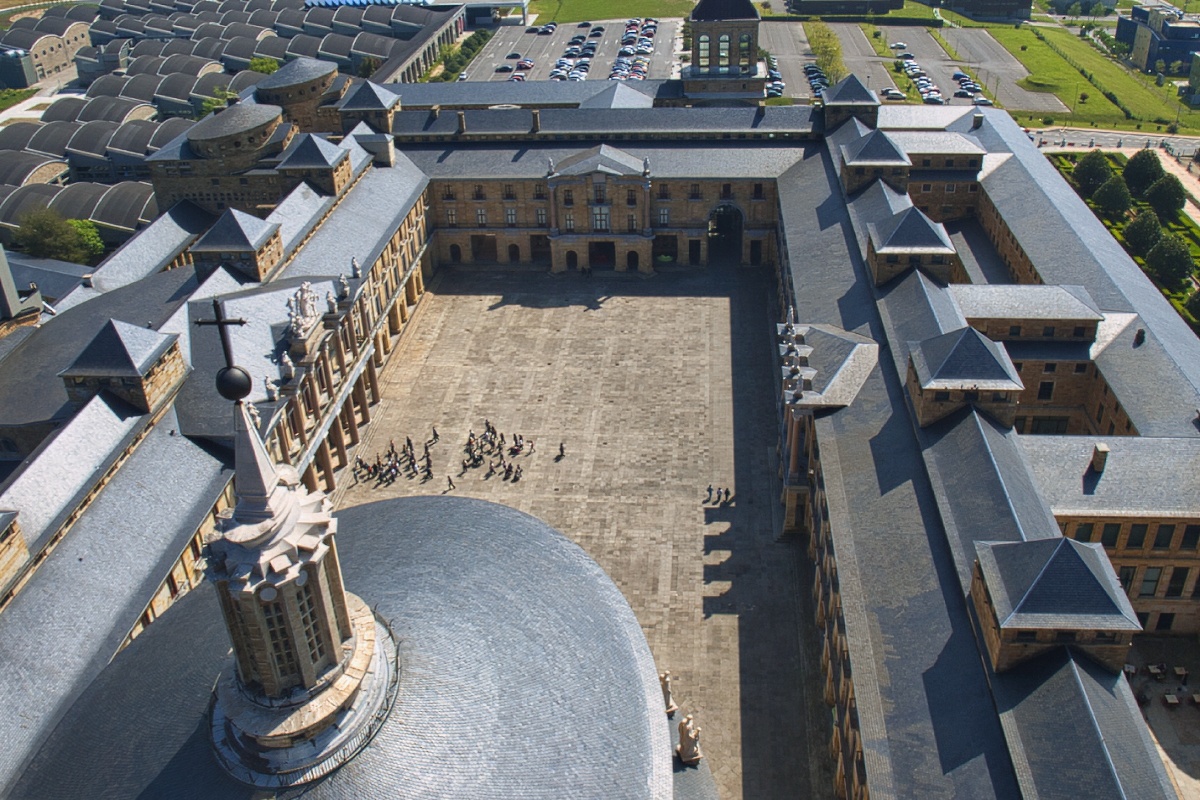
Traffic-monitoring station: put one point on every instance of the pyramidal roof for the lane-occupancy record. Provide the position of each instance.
(963, 359)
(850, 91)
(602, 158)
(120, 350)
(875, 148)
(716, 10)
(368, 96)
(235, 231)
(311, 152)
(1054, 583)
(911, 231)
(255, 478)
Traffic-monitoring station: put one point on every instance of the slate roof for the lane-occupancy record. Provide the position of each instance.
(369, 96)
(592, 726)
(716, 10)
(911, 231)
(850, 91)
(602, 158)
(875, 148)
(235, 231)
(311, 152)
(120, 350)
(237, 118)
(839, 362)
(964, 359)
(1025, 302)
(1054, 584)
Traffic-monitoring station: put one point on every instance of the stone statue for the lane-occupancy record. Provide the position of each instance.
(646, 166)
(272, 392)
(343, 287)
(688, 748)
(331, 301)
(252, 410)
(665, 679)
(302, 311)
(549, 167)
(286, 368)
(355, 269)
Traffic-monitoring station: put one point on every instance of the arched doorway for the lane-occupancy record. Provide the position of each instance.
(514, 253)
(725, 235)
(631, 260)
(572, 260)
(455, 254)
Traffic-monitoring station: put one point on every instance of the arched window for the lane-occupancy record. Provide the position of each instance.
(723, 52)
(702, 58)
(744, 52)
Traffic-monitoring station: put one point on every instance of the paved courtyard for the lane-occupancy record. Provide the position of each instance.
(657, 387)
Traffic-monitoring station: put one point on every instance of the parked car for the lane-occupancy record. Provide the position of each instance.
(504, 68)
(982, 101)
(898, 45)
(893, 94)
(908, 56)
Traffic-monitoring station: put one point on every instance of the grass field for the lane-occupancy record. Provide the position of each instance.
(579, 10)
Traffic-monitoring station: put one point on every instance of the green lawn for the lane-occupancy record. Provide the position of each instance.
(1048, 72)
(579, 10)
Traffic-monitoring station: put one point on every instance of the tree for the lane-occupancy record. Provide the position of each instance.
(264, 65)
(44, 233)
(1177, 68)
(1113, 197)
(220, 98)
(1170, 259)
(1097, 10)
(1141, 171)
(1160, 66)
(1083, 97)
(1166, 196)
(1143, 232)
(368, 66)
(1092, 172)
(89, 237)
(1074, 10)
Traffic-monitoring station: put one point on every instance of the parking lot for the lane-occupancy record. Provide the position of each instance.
(861, 59)
(998, 70)
(788, 43)
(544, 51)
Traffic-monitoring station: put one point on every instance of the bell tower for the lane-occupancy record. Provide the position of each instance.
(724, 59)
(314, 669)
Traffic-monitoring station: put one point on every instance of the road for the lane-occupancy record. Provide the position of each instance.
(998, 70)
(545, 50)
(860, 58)
(1060, 138)
(788, 43)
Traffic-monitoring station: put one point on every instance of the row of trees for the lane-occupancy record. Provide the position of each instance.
(455, 60)
(827, 48)
(1165, 254)
(44, 233)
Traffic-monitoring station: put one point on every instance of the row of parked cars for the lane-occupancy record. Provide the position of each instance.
(637, 45)
(577, 57)
(816, 79)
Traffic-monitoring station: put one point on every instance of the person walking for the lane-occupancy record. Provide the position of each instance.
(450, 483)
(435, 434)
(709, 497)
(562, 450)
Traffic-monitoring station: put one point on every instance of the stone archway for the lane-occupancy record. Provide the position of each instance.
(631, 260)
(455, 254)
(725, 235)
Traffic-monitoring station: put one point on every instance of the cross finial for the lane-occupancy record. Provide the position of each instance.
(233, 382)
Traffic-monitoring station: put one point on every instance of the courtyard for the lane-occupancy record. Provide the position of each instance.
(656, 387)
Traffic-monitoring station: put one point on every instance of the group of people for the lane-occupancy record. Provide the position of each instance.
(719, 496)
(498, 450)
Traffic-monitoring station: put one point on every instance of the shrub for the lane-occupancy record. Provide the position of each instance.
(1143, 232)
(1113, 197)
(1166, 196)
(1092, 172)
(1170, 259)
(1141, 171)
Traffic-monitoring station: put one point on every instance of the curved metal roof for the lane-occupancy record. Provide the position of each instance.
(282, 5)
(375, 45)
(24, 199)
(59, 26)
(244, 79)
(102, 27)
(65, 109)
(53, 137)
(16, 166)
(209, 47)
(208, 29)
(230, 17)
(147, 47)
(78, 12)
(304, 45)
(141, 87)
(241, 117)
(337, 45)
(242, 30)
(130, 26)
(133, 137)
(206, 6)
(112, 109)
(272, 47)
(348, 15)
(126, 206)
(92, 138)
(158, 24)
(263, 17)
(16, 135)
(207, 85)
(167, 130)
(192, 65)
(177, 87)
(23, 39)
(24, 23)
(232, 5)
(202, 17)
(78, 200)
(179, 47)
(240, 49)
(107, 86)
(291, 17)
(322, 17)
(145, 65)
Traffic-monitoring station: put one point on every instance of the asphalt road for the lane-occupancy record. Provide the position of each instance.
(998, 70)
(545, 50)
(787, 42)
(860, 57)
(1059, 138)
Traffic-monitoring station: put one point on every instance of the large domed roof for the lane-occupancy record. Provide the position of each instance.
(523, 673)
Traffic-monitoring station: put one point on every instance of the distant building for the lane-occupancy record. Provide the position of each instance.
(1158, 32)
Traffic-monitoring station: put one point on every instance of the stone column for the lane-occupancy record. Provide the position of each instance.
(373, 381)
(325, 461)
(339, 440)
(350, 417)
(360, 395)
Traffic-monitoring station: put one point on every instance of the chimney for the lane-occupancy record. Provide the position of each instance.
(462, 122)
(977, 121)
(434, 111)
(537, 121)
(1099, 457)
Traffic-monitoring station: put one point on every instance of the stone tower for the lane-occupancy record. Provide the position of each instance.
(314, 668)
(724, 57)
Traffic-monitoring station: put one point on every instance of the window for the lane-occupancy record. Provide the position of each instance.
(1025, 637)
(1179, 577)
(600, 218)
(926, 187)
(974, 187)
(1125, 575)
(664, 218)
(1162, 539)
(631, 223)
(1064, 637)
(1081, 368)
(723, 52)
(1014, 330)
(479, 195)
(758, 191)
(631, 197)
(927, 162)
(1078, 332)
(539, 192)
(481, 217)
(281, 642)
(1150, 581)
(1048, 331)
(726, 191)
(568, 197)
(510, 217)
(999, 397)
(892, 259)
(1105, 637)
(1165, 621)
(1137, 537)
(598, 193)
(1143, 618)
(309, 621)
(541, 217)
(971, 397)
(1191, 538)
(1084, 530)
(1017, 365)
(949, 188)
(941, 397)
(695, 192)
(1108, 537)
(508, 192)
(703, 59)
(569, 221)
(1050, 366)
(452, 217)
(1045, 390)
(744, 52)
(664, 191)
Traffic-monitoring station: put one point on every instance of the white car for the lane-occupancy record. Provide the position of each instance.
(898, 45)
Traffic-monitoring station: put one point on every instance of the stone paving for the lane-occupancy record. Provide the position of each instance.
(657, 387)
